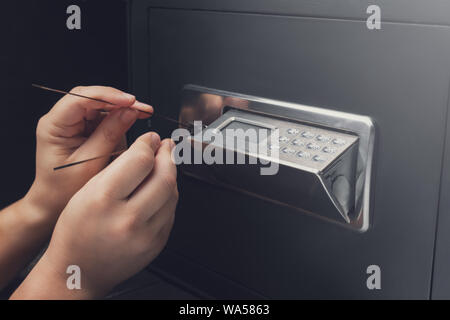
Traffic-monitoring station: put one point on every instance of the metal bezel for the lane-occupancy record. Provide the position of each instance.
(363, 126)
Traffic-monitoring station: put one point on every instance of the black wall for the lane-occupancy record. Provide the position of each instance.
(37, 47)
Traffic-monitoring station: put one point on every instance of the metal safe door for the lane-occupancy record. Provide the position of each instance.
(230, 245)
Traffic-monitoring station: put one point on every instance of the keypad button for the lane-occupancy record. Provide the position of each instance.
(298, 142)
(292, 131)
(339, 141)
(323, 138)
(308, 134)
(283, 139)
(313, 146)
(329, 150)
(288, 150)
(319, 158)
(303, 154)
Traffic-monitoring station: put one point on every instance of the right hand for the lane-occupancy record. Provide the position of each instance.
(115, 225)
(75, 129)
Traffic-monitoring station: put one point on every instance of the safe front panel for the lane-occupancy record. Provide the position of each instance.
(398, 76)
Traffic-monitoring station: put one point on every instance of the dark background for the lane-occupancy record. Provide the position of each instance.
(38, 48)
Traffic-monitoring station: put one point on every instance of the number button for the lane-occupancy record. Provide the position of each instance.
(319, 158)
(303, 154)
(313, 146)
(307, 134)
(298, 142)
(339, 142)
(329, 150)
(288, 150)
(323, 138)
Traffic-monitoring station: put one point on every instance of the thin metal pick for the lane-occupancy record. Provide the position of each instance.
(184, 124)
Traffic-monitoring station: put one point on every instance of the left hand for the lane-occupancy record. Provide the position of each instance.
(75, 129)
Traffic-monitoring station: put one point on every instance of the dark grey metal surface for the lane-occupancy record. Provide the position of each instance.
(441, 274)
(399, 76)
(148, 285)
(411, 11)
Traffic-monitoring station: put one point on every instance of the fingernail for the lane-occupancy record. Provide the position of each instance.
(172, 144)
(156, 140)
(129, 96)
(128, 115)
(143, 107)
(142, 104)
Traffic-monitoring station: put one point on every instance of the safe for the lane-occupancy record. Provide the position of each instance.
(361, 120)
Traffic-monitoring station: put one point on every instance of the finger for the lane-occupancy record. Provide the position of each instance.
(157, 188)
(164, 233)
(160, 218)
(107, 135)
(160, 224)
(73, 143)
(126, 172)
(70, 110)
(91, 114)
(122, 144)
(91, 124)
(147, 109)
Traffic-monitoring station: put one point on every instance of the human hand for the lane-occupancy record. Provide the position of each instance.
(75, 129)
(113, 227)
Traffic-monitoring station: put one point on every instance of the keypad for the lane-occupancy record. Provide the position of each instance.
(297, 144)
(310, 145)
